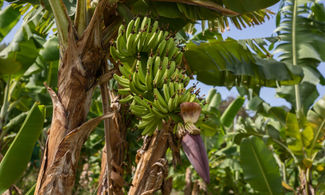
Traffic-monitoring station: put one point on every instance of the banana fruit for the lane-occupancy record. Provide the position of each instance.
(152, 77)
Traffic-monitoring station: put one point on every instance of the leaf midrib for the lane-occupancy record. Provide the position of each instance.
(261, 169)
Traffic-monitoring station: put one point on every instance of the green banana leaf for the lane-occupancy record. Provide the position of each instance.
(242, 6)
(211, 13)
(308, 94)
(50, 51)
(228, 116)
(259, 166)
(9, 17)
(309, 48)
(298, 141)
(309, 43)
(20, 151)
(316, 116)
(20, 53)
(228, 63)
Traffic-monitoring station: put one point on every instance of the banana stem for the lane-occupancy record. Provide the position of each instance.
(106, 109)
(299, 110)
(5, 105)
(80, 21)
(62, 20)
(294, 59)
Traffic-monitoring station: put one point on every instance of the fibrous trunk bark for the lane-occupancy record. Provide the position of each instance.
(188, 182)
(152, 169)
(78, 72)
(118, 146)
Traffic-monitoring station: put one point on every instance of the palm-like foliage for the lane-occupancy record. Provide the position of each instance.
(215, 15)
(234, 63)
(316, 116)
(301, 31)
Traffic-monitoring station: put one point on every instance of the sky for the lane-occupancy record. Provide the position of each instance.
(264, 30)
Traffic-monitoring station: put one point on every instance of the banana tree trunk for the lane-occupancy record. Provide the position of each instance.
(152, 168)
(117, 129)
(78, 72)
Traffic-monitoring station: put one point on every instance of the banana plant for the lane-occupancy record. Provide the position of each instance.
(83, 43)
(20, 151)
(296, 50)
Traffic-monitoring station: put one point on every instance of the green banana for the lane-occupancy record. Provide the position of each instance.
(157, 112)
(144, 23)
(148, 116)
(137, 41)
(152, 40)
(161, 108)
(121, 45)
(170, 104)
(172, 52)
(192, 98)
(180, 87)
(154, 27)
(149, 80)
(161, 47)
(164, 79)
(124, 91)
(139, 110)
(176, 87)
(171, 68)
(123, 82)
(179, 58)
(141, 72)
(115, 54)
(164, 64)
(150, 62)
(159, 97)
(159, 80)
(156, 65)
(140, 44)
(166, 92)
(148, 25)
(157, 77)
(141, 102)
(137, 25)
(176, 100)
(171, 89)
(121, 29)
(125, 71)
(160, 37)
(149, 129)
(134, 89)
(137, 83)
(130, 47)
(175, 75)
(149, 73)
(144, 123)
(169, 45)
(126, 99)
(186, 96)
(129, 28)
(186, 80)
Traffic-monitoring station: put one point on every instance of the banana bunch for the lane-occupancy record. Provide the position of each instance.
(142, 36)
(152, 79)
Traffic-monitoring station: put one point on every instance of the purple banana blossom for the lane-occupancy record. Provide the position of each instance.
(195, 151)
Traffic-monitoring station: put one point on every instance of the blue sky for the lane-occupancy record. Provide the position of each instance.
(264, 30)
